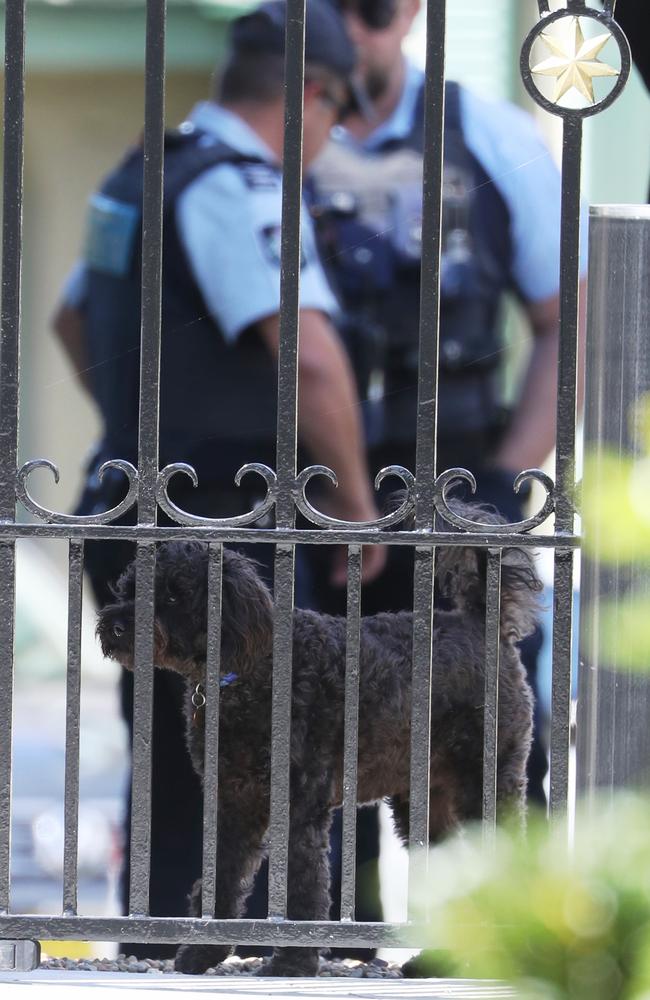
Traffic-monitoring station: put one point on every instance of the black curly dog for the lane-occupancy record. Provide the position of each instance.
(317, 715)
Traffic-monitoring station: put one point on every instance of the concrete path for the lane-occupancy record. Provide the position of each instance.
(57, 985)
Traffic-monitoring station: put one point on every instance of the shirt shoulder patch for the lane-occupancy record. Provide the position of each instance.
(111, 231)
(270, 238)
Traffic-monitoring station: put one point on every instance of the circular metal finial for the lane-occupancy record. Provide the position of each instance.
(571, 57)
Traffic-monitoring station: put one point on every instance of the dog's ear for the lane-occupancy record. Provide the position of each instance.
(461, 574)
(247, 608)
(520, 590)
(123, 589)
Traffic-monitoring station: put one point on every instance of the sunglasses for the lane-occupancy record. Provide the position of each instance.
(375, 14)
(343, 106)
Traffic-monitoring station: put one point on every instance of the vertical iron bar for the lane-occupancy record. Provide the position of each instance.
(569, 297)
(565, 451)
(12, 228)
(351, 734)
(148, 450)
(286, 454)
(12, 231)
(491, 707)
(152, 200)
(561, 682)
(420, 712)
(212, 695)
(72, 714)
(434, 105)
(290, 261)
(281, 730)
(142, 730)
(434, 111)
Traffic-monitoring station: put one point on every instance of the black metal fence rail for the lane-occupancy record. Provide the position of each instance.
(426, 495)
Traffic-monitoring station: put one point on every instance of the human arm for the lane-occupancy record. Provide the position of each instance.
(530, 437)
(68, 325)
(329, 424)
(513, 152)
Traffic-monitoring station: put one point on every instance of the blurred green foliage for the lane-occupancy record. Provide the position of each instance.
(616, 532)
(555, 921)
(615, 510)
(552, 921)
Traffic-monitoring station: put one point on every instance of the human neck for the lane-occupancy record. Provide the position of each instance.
(383, 106)
(267, 121)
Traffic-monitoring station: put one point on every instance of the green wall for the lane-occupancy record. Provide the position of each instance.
(109, 34)
(617, 149)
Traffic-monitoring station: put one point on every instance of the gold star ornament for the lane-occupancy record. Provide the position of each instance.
(574, 63)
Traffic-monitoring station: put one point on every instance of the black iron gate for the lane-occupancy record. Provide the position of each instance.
(426, 494)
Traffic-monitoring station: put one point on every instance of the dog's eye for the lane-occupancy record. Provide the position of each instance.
(172, 599)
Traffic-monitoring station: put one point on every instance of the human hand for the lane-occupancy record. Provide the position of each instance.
(373, 561)
(373, 556)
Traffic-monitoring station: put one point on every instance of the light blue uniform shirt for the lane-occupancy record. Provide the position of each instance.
(229, 222)
(510, 148)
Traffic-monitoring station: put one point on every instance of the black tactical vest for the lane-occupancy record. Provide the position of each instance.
(217, 399)
(370, 236)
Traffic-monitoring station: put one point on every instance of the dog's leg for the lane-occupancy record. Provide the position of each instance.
(514, 740)
(241, 829)
(443, 813)
(308, 896)
(442, 820)
(399, 805)
(511, 787)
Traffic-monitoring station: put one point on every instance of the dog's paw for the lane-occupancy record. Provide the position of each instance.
(290, 966)
(194, 959)
(429, 964)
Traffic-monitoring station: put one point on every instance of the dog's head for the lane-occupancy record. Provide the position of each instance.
(181, 610)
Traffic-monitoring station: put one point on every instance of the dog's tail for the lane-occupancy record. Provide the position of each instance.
(461, 576)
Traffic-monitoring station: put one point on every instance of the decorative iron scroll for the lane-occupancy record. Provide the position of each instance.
(406, 498)
(54, 517)
(442, 501)
(573, 60)
(239, 520)
(405, 508)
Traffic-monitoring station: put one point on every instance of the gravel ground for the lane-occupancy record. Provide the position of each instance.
(377, 969)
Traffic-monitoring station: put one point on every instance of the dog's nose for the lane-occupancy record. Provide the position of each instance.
(118, 630)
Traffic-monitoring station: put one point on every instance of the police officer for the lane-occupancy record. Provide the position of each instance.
(220, 341)
(501, 232)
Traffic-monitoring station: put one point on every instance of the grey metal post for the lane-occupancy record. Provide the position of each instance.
(613, 736)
